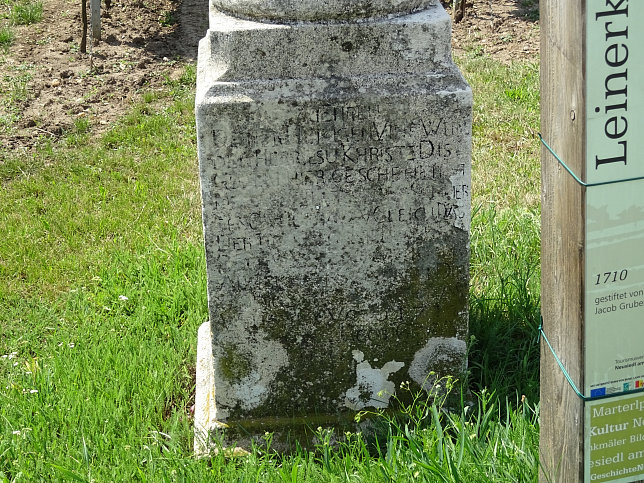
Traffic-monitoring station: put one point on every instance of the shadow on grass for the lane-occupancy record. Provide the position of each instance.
(504, 304)
(504, 355)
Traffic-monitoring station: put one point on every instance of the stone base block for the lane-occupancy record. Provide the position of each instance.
(237, 438)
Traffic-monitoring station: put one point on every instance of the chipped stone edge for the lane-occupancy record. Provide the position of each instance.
(205, 409)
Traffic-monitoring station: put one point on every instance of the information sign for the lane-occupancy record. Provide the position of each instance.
(614, 270)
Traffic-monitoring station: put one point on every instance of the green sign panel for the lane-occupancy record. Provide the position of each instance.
(614, 282)
(615, 439)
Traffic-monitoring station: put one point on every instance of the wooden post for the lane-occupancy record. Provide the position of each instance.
(562, 237)
(95, 6)
(83, 43)
(458, 10)
(592, 114)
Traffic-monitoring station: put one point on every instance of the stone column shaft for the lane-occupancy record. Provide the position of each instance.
(334, 147)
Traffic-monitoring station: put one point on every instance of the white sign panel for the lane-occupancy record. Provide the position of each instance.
(614, 281)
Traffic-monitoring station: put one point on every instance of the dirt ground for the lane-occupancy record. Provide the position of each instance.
(146, 42)
(503, 29)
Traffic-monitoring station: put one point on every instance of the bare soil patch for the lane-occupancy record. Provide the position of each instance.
(146, 43)
(506, 30)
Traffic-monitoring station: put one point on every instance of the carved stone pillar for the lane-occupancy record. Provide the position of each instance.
(334, 148)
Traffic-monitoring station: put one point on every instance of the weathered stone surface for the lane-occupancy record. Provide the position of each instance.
(335, 175)
(317, 10)
(205, 410)
(239, 50)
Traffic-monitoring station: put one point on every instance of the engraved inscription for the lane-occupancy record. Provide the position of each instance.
(346, 173)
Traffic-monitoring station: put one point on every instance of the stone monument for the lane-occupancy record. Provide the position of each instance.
(334, 144)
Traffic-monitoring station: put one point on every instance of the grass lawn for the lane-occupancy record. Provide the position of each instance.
(102, 289)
